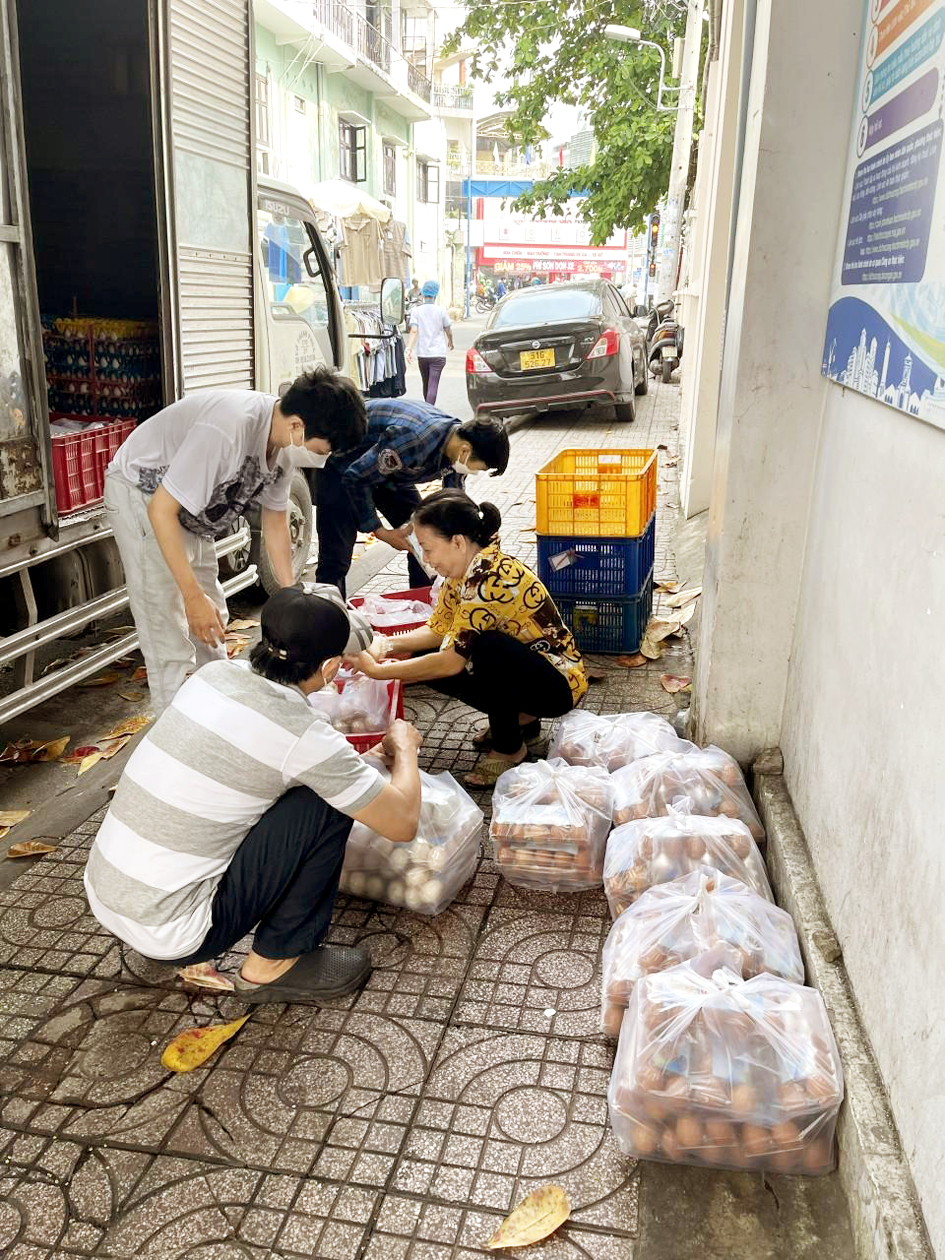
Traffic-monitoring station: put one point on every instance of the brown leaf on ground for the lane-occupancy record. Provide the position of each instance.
(235, 645)
(89, 761)
(595, 675)
(133, 697)
(30, 848)
(631, 662)
(667, 584)
(129, 726)
(673, 683)
(119, 632)
(243, 623)
(190, 1049)
(26, 750)
(685, 616)
(78, 754)
(652, 651)
(10, 817)
(660, 628)
(100, 680)
(537, 1216)
(684, 597)
(662, 447)
(140, 674)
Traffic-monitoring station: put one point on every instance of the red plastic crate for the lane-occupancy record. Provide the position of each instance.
(419, 593)
(80, 459)
(363, 743)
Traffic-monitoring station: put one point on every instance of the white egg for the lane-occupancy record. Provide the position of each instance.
(413, 899)
(400, 858)
(374, 888)
(395, 892)
(357, 883)
(415, 877)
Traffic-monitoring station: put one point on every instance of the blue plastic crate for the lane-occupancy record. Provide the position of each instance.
(597, 567)
(609, 625)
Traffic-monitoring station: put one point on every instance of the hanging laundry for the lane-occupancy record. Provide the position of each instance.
(361, 252)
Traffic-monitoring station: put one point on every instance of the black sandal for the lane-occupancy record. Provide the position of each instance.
(330, 971)
(531, 732)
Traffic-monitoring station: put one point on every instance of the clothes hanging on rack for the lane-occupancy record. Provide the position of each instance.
(379, 359)
(395, 249)
(361, 253)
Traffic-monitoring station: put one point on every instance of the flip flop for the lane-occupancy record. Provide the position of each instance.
(488, 770)
(531, 734)
(328, 972)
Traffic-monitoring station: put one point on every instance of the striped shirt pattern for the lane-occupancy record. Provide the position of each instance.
(229, 745)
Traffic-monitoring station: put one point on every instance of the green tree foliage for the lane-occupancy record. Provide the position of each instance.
(555, 51)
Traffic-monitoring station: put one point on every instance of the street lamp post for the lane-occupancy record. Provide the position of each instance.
(630, 35)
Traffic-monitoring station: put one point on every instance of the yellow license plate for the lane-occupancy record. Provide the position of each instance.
(536, 359)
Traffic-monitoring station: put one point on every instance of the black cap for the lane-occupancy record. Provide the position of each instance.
(304, 628)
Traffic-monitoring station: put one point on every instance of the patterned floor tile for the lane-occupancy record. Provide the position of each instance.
(535, 971)
(411, 1229)
(504, 1113)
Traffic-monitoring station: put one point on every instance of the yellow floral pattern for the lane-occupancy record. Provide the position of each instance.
(500, 593)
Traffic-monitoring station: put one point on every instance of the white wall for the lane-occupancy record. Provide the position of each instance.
(864, 746)
(825, 586)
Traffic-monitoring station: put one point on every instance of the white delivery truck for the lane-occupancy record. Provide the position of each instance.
(129, 201)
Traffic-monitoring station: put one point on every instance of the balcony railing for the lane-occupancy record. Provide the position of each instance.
(372, 45)
(453, 97)
(419, 83)
(335, 17)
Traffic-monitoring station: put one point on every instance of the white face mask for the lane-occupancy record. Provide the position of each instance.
(463, 469)
(302, 457)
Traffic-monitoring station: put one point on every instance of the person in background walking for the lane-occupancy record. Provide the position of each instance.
(414, 293)
(500, 289)
(432, 333)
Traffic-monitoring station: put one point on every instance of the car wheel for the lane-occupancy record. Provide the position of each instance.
(643, 385)
(666, 371)
(301, 519)
(626, 412)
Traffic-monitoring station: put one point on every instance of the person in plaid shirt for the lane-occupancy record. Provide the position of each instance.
(406, 443)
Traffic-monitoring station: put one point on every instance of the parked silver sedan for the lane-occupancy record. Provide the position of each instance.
(558, 347)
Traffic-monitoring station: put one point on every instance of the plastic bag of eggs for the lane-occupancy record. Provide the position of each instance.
(550, 823)
(613, 740)
(655, 851)
(712, 1069)
(674, 922)
(709, 778)
(426, 874)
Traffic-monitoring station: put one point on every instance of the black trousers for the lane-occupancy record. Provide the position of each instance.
(430, 372)
(507, 679)
(337, 527)
(283, 877)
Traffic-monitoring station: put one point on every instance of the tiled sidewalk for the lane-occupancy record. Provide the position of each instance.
(401, 1124)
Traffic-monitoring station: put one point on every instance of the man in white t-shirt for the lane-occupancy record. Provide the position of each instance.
(185, 477)
(431, 331)
(233, 813)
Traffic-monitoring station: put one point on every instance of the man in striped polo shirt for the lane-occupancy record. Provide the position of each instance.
(234, 811)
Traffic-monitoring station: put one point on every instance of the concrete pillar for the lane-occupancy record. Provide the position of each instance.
(704, 312)
(798, 117)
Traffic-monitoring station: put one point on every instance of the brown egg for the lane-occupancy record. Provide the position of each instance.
(695, 848)
(611, 1019)
(668, 1144)
(785, 1161)
(740, 846)
(720, 1132)
(717, 1154)
(626, 1098)
(676, 1087)
(655, 1108)
(729, 807)
(643, 1137)
(820, 1088)
(688, 1132)
(744, 1100)
(649, 1077)
(818, 1156)
(755, 1140)
(654, 959)
(792, 1096)
(646, 847)
(785, 1135)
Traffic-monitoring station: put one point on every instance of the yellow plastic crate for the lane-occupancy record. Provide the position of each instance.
(602, 494)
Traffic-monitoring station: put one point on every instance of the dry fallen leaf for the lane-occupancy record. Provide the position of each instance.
(134, 697)
(191, 1048)
(685, 616)
(660, 628)
(30, 848)
(205, 976)
(667, 584)
(119, 632)
(10, 817)
(652, 651)
(595, 676)
(684, 597)
(235, 645)
(103, 753)
(26, 750)
(101, 680)
(140, 674)
(78, 754)
(129, 726)
(243, 623)
(673, 683)
(538, 1215)
(631, 662)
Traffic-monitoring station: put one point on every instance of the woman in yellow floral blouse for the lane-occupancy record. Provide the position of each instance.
(496, 641)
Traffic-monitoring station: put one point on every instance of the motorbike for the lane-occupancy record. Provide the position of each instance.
(664, 340)
(485, 302)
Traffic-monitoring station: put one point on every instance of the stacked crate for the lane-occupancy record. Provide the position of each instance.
(596, 525)
(108, 368)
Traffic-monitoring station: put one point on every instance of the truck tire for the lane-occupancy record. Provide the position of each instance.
(301, 521)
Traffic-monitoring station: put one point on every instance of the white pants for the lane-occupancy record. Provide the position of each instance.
(170, 652)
